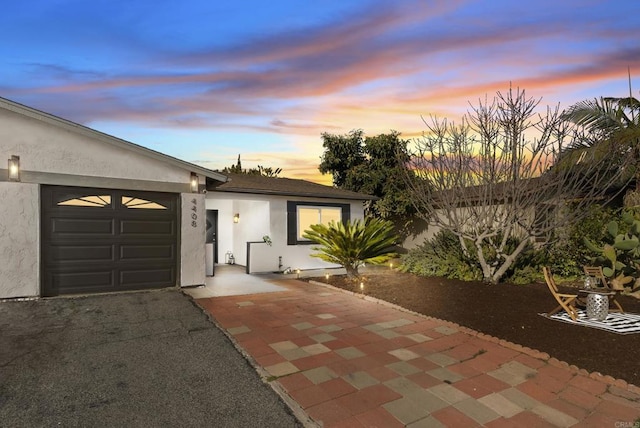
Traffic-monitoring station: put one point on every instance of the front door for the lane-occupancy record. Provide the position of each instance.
(212, 234)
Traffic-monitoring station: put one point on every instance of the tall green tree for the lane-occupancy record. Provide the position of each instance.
(342, 153)
(373, 165)
(234, 169)
(260, 170)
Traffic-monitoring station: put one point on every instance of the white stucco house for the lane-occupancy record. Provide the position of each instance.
(87, 212)
(252, 209)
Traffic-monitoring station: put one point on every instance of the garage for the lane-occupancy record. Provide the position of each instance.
(86, 212)
(104, 240)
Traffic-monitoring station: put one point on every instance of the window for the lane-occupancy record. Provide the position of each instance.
(88, 201)
(101, 201)
(316, 215)
(301, 215)
(131, 202)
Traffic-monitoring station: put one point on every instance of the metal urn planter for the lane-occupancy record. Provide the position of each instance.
(597, 306)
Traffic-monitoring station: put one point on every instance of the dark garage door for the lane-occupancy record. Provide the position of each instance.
(100, 240)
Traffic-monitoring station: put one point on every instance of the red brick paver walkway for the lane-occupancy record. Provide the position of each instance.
(353, 362)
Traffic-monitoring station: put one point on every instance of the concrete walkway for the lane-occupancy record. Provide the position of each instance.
(232, 280)
(354, 362)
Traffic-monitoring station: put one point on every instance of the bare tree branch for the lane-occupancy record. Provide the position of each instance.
(504, 173)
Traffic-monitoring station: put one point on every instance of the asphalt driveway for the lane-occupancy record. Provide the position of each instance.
(136, 359)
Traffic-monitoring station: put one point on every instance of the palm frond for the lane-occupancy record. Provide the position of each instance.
(350, 244)
(593, 114)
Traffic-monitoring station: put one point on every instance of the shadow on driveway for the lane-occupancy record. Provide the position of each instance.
(135, 359)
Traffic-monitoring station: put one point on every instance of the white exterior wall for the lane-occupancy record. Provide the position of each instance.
(262, 259)
(46, 148)
(412, 242)
(224, 237)
(253, 225)
(472, 213)
(19, 240)
(265, 215)
(192, 237)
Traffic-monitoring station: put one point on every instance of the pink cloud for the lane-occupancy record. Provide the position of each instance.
(382, 68)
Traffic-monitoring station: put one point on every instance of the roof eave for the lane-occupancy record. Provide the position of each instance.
(298, 194)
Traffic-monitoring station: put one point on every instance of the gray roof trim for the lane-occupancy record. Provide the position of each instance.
(106, 138)
(56, 179)
(357, 197)
(260, 185)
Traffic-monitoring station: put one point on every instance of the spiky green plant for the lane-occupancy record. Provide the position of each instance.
(620, 258)
(350, 244)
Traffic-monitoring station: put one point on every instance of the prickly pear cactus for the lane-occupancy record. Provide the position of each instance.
(632, 199)
(620, 258)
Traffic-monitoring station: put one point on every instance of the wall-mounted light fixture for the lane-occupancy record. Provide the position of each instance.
(14, 168)
(194, 182)
(236, 218)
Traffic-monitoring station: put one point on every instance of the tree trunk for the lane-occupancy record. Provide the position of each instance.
(492, 275)
(352, 271)
(486, 269)
(508, 261)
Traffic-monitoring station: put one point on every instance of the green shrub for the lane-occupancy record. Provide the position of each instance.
(568, 253)
(528, 266)
(620, 256)
(441, 256)
(525, 275)
(353, 243)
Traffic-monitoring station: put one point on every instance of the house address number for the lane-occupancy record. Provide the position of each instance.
(194, 215)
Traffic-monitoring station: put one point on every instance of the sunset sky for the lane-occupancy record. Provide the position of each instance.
(206, 80)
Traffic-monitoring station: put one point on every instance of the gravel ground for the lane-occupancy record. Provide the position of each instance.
(145, 359)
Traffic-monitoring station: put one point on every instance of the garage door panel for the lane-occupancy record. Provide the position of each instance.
(79, 282)
(141, 277)
(82, 253)
(98, 240)
(147, 227)
(146, 252)
(76, 226)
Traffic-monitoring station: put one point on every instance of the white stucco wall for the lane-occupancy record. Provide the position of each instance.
(262, 258)
(253, 225)
(265, 215)
(19, 240)
(477, 212)
(47, 151)
(224, 236)
(45, 148)
(192, 237)
(233, 237)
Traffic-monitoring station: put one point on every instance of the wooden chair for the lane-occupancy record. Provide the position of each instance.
(596, 271)
(566, 301)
